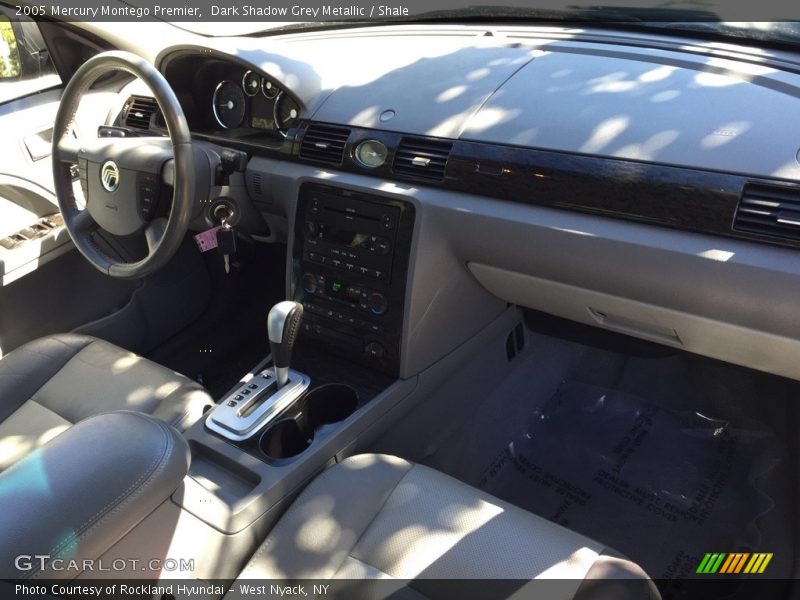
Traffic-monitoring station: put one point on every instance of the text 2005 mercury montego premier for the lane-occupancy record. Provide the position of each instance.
(399, 301)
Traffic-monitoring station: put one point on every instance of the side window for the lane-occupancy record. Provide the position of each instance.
(25, 63)
(9, 54)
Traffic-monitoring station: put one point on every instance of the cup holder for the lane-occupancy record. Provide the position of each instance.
(325, 405)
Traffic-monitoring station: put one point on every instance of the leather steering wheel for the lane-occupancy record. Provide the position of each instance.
(121, 177)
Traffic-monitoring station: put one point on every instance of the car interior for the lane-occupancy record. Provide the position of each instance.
(504, 303)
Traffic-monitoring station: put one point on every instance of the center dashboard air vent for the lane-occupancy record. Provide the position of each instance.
(422, 158)
(324, 143)
(139, 111)
(771, 210)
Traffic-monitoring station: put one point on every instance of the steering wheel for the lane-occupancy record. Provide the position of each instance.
(122, 177)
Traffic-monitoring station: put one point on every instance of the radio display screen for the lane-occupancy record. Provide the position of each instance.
(346, 238)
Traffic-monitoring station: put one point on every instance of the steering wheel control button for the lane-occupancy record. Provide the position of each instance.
(109, 176)
(147, 190)
(83, 175)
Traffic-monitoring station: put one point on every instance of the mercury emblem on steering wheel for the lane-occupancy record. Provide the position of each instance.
(109, 175)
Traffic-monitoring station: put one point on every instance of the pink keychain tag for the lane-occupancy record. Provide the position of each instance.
(207, 240)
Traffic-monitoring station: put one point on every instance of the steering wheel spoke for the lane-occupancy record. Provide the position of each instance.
(67, 149)
(83, 222)
(153, 233)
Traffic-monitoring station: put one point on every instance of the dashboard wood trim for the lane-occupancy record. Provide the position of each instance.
(678, 197)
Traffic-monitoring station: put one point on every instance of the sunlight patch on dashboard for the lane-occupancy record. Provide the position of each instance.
(649, 149)
(665, 96)
(724, 134)
(451, 93)
(657, 74)
(605, 133)
(718, 255)
(489, 117)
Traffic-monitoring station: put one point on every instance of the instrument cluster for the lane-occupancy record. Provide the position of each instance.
(254, 102)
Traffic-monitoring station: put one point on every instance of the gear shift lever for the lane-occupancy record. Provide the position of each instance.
(264, 395)
(283, 324)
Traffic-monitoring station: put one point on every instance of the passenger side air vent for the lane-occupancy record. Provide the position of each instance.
(421, 158)
(769, 210)
(324, 143)
(138, 112)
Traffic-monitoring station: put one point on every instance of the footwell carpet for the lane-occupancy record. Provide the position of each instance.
(613, 467)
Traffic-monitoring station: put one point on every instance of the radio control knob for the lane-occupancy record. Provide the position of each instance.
(377, 303)
(374, 350)
(309, 282)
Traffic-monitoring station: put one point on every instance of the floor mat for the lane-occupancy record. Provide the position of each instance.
(677, 479)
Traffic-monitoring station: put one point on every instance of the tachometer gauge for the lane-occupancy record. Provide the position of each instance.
(286, 112)
(251, 83)
(228, 104)
(269, 89)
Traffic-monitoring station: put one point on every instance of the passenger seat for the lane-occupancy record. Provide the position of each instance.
(381, 517)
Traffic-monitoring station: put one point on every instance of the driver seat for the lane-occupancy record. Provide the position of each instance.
(51, 383)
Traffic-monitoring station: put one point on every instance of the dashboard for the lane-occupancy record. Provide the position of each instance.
(578, 173)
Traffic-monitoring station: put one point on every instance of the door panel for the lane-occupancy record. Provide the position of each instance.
(45, 284)
(58, 297)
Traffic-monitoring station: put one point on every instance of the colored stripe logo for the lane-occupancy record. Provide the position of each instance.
(734, 562)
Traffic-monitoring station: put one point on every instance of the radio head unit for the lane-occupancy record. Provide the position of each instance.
(350, 262)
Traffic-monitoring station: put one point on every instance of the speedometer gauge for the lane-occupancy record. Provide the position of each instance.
(251, 83)
(228, 104)
(285, 113)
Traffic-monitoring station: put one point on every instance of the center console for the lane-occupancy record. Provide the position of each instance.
(350, 262)
(296, 411)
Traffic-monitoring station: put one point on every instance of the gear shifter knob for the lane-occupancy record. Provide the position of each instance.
(283, 324)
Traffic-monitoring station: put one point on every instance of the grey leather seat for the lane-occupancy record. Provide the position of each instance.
(381, 517)
(72, 503)
(51, 383)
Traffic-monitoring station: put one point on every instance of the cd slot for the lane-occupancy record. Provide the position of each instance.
(351, 213)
